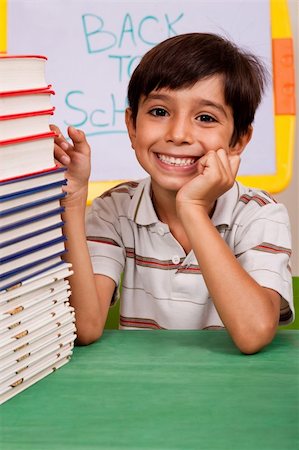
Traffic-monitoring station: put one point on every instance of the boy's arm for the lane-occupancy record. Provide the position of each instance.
(91, 295)
(251, 324)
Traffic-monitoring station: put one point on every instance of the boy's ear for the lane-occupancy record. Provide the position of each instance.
(130, 125)
(241, 143)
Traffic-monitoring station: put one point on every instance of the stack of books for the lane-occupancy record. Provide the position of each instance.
(37, 324)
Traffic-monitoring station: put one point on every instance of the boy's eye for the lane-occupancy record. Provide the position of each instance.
(206, 118)
(161, 112)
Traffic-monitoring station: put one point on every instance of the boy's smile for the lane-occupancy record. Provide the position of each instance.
(175, 128)
(181, 162)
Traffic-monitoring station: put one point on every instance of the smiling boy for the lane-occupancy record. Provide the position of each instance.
(196, 248)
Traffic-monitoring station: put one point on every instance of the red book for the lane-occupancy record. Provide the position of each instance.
(25, 155)
(26, 124)
(18, 102)
(22, 72)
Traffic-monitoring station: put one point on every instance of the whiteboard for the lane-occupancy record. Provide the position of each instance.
(93, 46)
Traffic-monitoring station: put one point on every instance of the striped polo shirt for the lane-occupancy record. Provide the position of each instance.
(162, 286)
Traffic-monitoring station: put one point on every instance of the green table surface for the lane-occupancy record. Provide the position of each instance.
(162, 390)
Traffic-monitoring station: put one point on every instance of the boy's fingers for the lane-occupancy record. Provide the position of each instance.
(60, 139)
(230, 162)
(79, 140)
(61, 156)
(224, 160)
(204, 159)
(55, 128)
(234, 161)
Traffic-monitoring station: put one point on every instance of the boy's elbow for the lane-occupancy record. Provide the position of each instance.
(250, 342)
(82, 340)
(87, 337)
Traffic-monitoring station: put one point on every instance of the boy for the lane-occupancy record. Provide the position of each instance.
(197, 249)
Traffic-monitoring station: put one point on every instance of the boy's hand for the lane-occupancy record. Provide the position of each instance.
(76, 158)
(216, 174)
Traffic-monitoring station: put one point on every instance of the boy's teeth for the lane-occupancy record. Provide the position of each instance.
(176, 161)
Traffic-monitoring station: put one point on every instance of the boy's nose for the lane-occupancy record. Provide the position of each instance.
(180, 131)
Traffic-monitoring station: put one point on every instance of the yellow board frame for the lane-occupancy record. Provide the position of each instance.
(284, 124)
(3, 26)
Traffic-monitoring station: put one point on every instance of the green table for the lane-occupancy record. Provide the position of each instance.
(162, 390)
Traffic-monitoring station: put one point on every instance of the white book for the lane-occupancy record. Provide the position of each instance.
(66, 318)
(51, 315)
(24, 384)
(28, 373)
(44, 278)
(22, 72)
(14, 126)
(14, 321)
(27, 101)
(25, 155)
(35, 358)
(65, 334)
(23, 302)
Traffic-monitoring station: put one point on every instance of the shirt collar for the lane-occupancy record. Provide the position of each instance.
(142, 210)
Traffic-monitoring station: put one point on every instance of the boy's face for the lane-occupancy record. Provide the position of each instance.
(174, 128)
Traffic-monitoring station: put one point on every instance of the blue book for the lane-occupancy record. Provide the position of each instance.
(38, 198)
(30, 218)
(23, 239)
(31, 181)
(26, 194)
(19, 261)
(19, 277)
(35, 277)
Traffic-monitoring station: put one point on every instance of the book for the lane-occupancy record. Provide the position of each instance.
(65, 320)
(22, 274)
(19, 245)
(20, 364)
(26, 154)
(18, 262)
(35, 342)
(43, 279)
(44, 318)
(11, 203)
(24, 384)
(29, 181)
(30, 276)
(14, 126)
(22, 72)
(11, 238)
(37, 323)
(21, 303)
(16, 102)
(27, 372)
(13, 242)
(19, 318)
(26, 216)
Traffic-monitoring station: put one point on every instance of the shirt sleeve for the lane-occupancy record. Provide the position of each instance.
(263, 248)
(104, 241)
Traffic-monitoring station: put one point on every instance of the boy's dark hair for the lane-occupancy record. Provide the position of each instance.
(181, 61)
